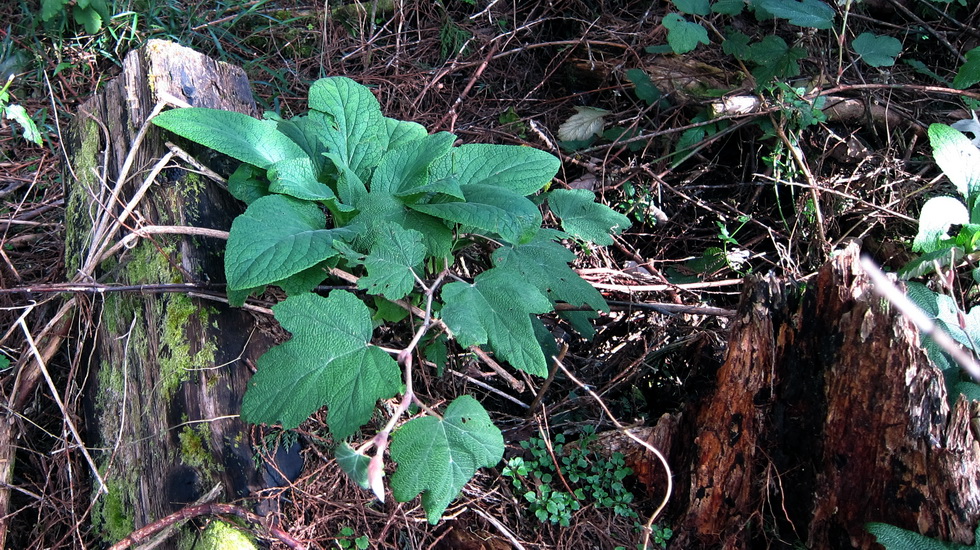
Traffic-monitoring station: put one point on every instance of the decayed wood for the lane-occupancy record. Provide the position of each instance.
(168, 370)
(826, 415)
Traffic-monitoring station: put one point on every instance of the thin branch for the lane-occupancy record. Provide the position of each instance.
(887, 289)
(143, 533)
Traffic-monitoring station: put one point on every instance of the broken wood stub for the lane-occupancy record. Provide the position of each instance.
(167, 370)
(826, 415)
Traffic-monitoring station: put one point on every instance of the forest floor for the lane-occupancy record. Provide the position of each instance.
(835, 150)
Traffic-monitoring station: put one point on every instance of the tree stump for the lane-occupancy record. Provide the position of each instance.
(826, 415)
(167, 369)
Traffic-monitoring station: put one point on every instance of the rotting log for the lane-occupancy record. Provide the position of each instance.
(826, 415)
(166, 370)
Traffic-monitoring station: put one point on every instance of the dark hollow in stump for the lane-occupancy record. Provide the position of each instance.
(826, 415)
(166, 370)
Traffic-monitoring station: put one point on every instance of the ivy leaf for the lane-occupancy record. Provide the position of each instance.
(394, 255)
(523, 170)
(804, 13)
(437, 457)
(496, 309)
(276, 237)
(544, 263)
(682, 35)
(357, 134)
(584, 218)
(958, 158)
(585, 123)
(737, 44)
(234, 134)
(329, 361)
(296, 178)
(489, 208)
(692, 7)
(353, 464)
(969, 73)
(877, 51)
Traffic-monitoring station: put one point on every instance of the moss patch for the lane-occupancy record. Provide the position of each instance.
(111, 516)
(78, 218)
(220, 536)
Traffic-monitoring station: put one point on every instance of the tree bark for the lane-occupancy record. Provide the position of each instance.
(826, 415)
(167, 370)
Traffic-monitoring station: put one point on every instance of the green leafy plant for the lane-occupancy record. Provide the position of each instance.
(895, 538)
(347, 541)
(91, 14)
(877, 51)
(18, 114)
(345, 192)
(959, 160)
(555, 485)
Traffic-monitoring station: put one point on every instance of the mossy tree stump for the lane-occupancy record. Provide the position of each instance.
(167, 369)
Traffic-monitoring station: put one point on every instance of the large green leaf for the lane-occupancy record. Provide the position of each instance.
(877, 51)
(405, 170)
(380, 208)
(356, 133)
(803, 13)
(896, 538)
(544, 263)
(395, 255)
(497, 309)
(938, 213)
(523, 170)
(584, 218)
(239, 136)
(275, 238)
(402, 132)
(682, 35)
(306, 132)
(297, 178)
(437, 457)
(329, 361)
(492, 209)
(958, 158)
(969, 73)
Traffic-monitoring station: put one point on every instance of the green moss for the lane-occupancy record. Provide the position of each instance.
(176, 359)
(78, 218)
(219, 535)
(111, 516)
(194, 448)
(150, 263)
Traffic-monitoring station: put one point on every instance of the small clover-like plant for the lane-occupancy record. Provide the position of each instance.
(346, 192)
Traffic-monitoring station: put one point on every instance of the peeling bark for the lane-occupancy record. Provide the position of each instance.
(826, 415)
